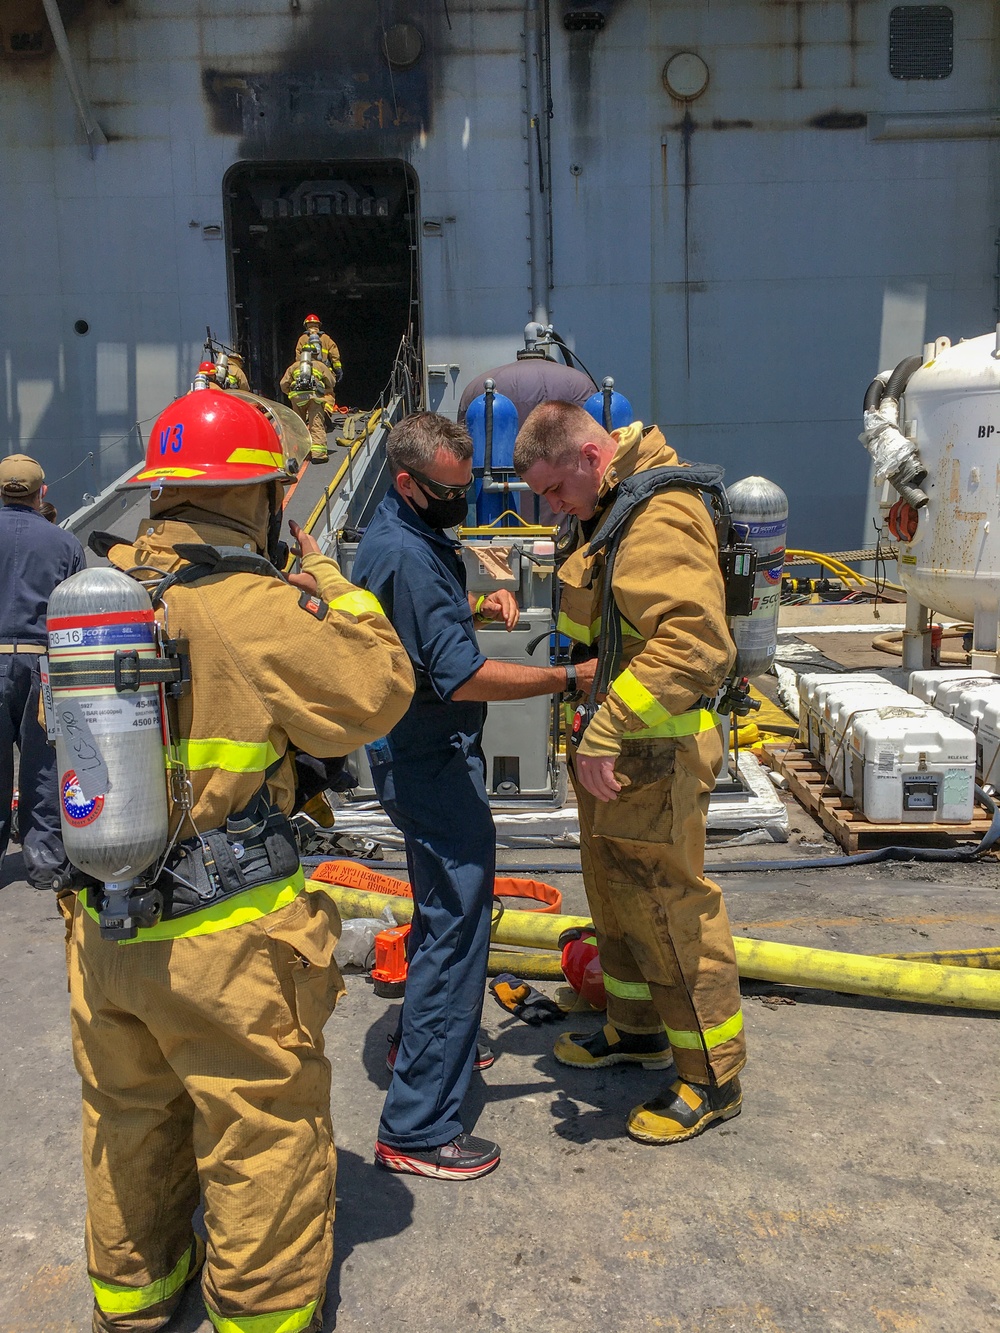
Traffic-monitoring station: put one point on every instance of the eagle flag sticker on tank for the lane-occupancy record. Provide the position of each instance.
(77, 808)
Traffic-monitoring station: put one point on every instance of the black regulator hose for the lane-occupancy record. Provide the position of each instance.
(900, 377)
(873, 394)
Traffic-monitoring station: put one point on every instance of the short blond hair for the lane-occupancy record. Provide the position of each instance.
(553, 433)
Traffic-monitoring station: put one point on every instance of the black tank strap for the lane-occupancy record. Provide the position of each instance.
(204, 561)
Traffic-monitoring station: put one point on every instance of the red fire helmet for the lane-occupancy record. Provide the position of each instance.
(581, 965)
(311, 319)
(209, 437)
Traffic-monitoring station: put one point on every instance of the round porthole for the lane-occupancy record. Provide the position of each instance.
(685, 76)
(81, 327)
(403, 45)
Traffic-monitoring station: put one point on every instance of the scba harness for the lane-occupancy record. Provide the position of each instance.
(737, 562)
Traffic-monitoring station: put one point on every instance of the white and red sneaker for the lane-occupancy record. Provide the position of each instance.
(484, 1056)
(464, 1158)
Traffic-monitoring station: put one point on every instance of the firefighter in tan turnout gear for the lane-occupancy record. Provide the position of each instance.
(309, 385)
(199, 1041)
(644, 768)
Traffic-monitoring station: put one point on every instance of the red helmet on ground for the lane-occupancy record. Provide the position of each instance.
(581, 965)
(209, 437)
(311, 319)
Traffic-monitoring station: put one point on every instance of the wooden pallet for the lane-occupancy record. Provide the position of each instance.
(808, 782)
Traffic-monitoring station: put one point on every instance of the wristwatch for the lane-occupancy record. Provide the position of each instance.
(571, 690)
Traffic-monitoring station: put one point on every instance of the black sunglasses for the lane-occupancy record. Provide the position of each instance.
(436, 489)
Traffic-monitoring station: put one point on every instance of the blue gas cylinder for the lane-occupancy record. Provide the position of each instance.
(609, 408)
(491, 420)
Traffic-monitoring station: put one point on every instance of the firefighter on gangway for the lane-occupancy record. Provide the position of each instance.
(321, 344)
(309, 385)
(235, 373)
(644, 763)
(199, 1042)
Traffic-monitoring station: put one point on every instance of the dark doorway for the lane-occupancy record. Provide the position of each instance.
(336, 239)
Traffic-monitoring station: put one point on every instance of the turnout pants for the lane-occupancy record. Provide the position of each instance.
(204, 1078)
(313, 414)
(38, 782)
(662, 928)
(442, 809)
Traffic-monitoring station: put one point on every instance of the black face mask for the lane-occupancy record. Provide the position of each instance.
(441, 514)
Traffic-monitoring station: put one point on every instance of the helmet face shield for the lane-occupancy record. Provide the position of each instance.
(292, 431)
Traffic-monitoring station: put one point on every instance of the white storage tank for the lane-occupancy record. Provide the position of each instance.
(925, 684)
(913, 765)
(951, 411)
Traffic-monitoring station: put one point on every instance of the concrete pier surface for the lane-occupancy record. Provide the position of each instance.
(858, 1191)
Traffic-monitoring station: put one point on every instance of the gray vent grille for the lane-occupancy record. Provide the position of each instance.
(921, 42)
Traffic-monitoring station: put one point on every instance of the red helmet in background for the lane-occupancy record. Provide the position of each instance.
(311, 319)
(209, 437)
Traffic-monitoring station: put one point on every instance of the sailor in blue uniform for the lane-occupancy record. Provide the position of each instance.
(430, 775)
(35, 555)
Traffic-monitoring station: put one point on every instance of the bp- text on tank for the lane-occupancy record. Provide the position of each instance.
(109, 742)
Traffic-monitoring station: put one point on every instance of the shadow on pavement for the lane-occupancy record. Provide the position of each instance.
(372, 1205)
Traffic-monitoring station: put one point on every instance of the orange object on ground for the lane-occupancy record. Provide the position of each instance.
(534, 889)
(389, 972)
(351, 875)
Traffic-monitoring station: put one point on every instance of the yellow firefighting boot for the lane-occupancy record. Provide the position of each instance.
(608, 1046)
(684, 1111)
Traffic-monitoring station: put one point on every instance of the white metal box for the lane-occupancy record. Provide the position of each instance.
(913, 765)
(840, 706)
(988, 745)
(925, 684)
(949, 692)
(810, 684)
(971, 709)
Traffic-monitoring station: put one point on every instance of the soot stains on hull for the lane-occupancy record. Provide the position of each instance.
(333, 91)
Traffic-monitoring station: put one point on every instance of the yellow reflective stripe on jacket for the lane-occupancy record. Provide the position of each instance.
(582, 634)
(576, 631)
(284, 1321)
(250, 905)
(710, 1038)
(626, 990)
(357, 602)
(659, 722)
(113, 1299)
(230, 756)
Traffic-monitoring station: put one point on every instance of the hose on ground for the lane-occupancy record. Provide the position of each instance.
(893, 644)
(762, 960)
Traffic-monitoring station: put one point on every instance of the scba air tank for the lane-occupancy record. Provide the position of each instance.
(109, 740)
(760, 518)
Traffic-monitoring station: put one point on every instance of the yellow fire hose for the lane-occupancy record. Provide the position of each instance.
(901, 979)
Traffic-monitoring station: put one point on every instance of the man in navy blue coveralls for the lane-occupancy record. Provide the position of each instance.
(430, 775)
(34, 556)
